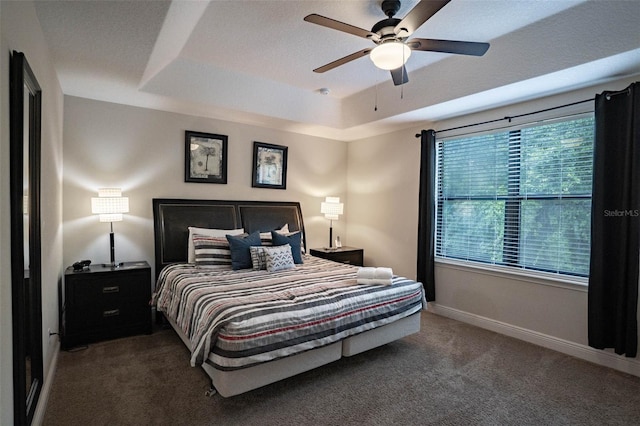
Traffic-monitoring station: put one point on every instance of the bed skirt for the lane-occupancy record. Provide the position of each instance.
(235, 382)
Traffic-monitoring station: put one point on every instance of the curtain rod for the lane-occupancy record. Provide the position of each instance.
(509, 118)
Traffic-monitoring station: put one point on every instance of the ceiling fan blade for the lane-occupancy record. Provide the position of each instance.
(340, 26)
(399, 76)
(418, 16)
(342, 61)
(449, 46)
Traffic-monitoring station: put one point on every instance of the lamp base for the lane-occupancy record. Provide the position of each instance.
(112, 250)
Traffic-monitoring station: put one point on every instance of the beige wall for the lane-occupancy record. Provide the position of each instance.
(21, 32)
(142, 151)
(383, 201)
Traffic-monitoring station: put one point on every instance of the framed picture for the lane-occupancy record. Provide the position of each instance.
(269, 166)
(205, 157)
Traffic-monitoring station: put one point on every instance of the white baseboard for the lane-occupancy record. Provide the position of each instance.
(41, 407)
(587, 353)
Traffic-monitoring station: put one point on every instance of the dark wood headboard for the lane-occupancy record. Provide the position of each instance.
(172, 217)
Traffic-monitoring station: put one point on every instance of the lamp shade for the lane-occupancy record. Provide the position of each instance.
(110, 204)
(332, 208)
(390, 55)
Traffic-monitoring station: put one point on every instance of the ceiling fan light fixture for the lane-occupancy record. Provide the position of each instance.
(390, 55)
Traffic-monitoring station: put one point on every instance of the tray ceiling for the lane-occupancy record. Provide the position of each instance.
(252, 61)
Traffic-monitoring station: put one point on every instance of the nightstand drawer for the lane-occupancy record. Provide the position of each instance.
(350, 255)
(352, 258)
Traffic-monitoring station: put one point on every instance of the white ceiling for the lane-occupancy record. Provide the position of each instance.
(252, 61)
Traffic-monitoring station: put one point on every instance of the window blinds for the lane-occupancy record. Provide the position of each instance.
(520, 197)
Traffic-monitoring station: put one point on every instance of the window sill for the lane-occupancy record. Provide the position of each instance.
(535, 277)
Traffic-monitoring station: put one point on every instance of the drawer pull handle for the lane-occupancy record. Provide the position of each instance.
(114, 289)
(111, 313)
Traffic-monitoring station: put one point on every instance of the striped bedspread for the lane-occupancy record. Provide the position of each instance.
(235, 319)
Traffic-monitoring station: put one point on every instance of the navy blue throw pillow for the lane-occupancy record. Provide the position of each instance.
(239, 246)
(294, 240)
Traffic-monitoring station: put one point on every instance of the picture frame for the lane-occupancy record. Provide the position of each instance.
(269, 166)
(205, 157)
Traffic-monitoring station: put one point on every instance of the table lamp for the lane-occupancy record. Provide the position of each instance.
(331, 208)
(110, 205)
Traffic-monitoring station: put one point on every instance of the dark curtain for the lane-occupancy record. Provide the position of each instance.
(426, 213)
(615, 223)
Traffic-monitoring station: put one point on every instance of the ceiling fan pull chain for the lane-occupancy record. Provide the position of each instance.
(376, 103)
(403, 71)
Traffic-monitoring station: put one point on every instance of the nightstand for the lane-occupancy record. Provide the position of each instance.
(105, 303)
(350, 255)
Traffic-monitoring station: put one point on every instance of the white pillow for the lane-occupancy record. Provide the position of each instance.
(265, 237)
(191, 252)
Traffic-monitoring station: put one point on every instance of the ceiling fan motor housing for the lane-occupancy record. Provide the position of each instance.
(385, 29)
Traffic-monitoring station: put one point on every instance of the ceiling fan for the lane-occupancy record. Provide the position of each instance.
(390, 36)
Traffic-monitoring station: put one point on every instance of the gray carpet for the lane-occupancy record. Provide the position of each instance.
(450, 373)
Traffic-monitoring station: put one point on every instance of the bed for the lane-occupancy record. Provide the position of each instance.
(251, 327)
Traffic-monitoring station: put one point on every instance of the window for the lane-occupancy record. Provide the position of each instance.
(519, 198)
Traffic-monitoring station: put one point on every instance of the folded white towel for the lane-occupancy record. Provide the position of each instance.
(366, 273)
(383, 273)
(374, 276)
